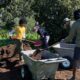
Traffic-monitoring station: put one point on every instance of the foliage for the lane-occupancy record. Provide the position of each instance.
(31, 23)
(4, 37)
(50, 13)
(4, 34)
(15, 9)
(16, 20)
(32, 36)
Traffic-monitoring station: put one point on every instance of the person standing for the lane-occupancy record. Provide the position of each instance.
(75, 32)
(19, 36)
(44, 36)
(37, 26)
(66, 27)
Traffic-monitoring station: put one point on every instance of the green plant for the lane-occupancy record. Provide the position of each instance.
(32, 36)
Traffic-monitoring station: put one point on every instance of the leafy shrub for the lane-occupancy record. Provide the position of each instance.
(32, 36)
(4, 34)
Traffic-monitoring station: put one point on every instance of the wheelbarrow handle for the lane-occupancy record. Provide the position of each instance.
(30, 41)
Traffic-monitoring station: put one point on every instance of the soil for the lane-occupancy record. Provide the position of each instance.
(10, 67)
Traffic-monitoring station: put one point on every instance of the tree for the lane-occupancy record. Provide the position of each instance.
(52, 13)
(15, 9)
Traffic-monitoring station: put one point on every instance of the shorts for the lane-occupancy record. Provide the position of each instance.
(77, 53)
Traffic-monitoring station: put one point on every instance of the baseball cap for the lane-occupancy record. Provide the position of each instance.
(67, 19)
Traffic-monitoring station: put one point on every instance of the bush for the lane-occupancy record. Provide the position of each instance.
(32, 36)
(31, 23)
(52, 14)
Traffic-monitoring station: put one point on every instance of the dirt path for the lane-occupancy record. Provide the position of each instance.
(66, 75)
(6, 74)
(12, 70)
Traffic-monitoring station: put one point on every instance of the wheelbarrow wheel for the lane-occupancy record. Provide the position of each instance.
(67, 64)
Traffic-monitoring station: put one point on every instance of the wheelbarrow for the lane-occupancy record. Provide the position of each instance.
(45, 68)
(65, 50)
(37, 44)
